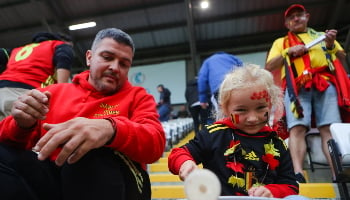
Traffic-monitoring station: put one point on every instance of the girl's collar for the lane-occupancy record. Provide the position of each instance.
(228, 122)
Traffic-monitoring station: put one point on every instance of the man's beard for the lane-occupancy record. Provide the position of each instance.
(103, 88)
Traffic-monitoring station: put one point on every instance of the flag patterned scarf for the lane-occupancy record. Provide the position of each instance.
(297, 73)
(294, 73)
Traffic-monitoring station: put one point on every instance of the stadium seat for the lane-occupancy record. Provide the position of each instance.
(339, 149)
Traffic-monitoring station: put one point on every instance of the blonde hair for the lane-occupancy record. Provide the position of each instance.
(248, 76)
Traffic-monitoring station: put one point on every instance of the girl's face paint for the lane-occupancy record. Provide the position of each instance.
(261, 95)
(249, 108)
(267, 117)
(235, 118)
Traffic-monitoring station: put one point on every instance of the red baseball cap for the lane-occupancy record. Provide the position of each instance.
(292, 7)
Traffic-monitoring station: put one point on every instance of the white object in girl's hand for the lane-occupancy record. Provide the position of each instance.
(202, 184)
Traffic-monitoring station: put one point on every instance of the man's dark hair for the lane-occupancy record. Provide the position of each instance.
(161, 86)
(64, 37)
(44, 36)
(116, 34)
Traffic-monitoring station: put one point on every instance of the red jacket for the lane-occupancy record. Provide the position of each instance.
(140, 135)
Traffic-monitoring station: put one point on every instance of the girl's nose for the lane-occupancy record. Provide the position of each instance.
(252, 117)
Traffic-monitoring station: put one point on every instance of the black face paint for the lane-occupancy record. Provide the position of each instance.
(267, 118)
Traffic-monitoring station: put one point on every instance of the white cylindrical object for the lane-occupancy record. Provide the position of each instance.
(202, 184)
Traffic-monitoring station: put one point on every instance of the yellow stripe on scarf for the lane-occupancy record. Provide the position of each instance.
(299, 67)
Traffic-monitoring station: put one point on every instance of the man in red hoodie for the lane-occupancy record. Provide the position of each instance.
(86, 139)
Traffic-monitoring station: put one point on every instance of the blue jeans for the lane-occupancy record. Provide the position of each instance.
(164, 112)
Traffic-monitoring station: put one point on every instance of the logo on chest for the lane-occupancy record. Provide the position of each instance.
(107, 109)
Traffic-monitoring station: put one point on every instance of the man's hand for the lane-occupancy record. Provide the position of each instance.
(331, 35)
(297, 50)
(30, 107)
(76, 137)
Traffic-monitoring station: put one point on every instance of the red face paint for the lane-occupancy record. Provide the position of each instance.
(260, 95)
(235, 118)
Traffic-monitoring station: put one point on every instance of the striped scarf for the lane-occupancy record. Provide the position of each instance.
(297, 73)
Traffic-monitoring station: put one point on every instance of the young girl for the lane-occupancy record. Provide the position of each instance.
(240, 147)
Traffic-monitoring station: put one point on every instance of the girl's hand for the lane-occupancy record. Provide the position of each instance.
(260, 191)
(186, 168)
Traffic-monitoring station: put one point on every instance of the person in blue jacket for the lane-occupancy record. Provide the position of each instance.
(211, 74)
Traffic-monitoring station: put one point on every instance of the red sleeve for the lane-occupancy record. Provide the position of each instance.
(13, 135)
(177, 157)
(282, 190)
(140, 136)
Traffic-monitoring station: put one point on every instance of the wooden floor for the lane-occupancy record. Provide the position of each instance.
(170, 187)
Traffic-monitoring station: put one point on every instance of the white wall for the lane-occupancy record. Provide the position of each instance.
(173, 76)
(257, 58)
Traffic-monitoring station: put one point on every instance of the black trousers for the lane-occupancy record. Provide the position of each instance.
(199, 116)
(100, 174)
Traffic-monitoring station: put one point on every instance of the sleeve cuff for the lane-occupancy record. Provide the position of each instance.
(114, 125)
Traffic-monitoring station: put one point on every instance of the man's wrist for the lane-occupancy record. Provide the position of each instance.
(114, 125)
(332, 49)
(30, 127)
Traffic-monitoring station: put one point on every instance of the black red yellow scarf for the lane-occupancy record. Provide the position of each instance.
(295, 76)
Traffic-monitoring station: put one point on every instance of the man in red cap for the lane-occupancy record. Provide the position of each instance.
(293, 8)
(313, 79)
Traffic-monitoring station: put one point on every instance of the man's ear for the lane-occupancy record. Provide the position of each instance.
(286, 24)
(88, 56)
(307, 15)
